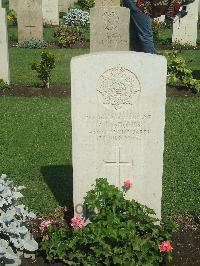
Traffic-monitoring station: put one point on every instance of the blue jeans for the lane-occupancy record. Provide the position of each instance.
(141, 35)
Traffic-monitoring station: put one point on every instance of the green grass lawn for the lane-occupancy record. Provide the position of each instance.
(21, 59)
(35, 144)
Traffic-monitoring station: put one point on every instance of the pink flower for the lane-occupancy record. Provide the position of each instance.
(127, 184)
(45, 224)
(165, 246)
(77, 222)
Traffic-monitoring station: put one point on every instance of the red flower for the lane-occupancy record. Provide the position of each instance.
(127, 184)
(165, 246)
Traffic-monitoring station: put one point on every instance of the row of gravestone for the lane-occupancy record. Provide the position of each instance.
(118, 111)
(32, 14)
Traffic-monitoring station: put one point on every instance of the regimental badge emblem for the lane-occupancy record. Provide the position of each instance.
(118, 88)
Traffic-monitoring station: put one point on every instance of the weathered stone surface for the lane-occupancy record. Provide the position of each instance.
(50, 12)
(185, 29)
(13, 5)
(107, 2)
(118, 119)
(64, 5)
(30, 24)
(109, 29)
(4, 58)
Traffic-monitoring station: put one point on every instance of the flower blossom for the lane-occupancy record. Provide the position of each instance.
(165, 246)
(46, 224)
(127, 184)
(77, 222)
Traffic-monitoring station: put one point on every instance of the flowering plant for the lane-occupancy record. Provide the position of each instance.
(77, 17)
(120, 232)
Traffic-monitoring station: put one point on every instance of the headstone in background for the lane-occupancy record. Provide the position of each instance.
(118, 119)
(29, 17)
(50, 12)
(4, 58)
(64, 5)
(160, 19)
(185, 29)
(109, 27)
(13, 5)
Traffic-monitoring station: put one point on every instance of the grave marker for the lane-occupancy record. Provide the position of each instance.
(185, 29)
(30, 25)
(50, 12)
(109, 26)
(118, 119)
(4, 57)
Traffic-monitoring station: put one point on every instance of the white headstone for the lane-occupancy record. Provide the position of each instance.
(185, 29)
(118, 119)
(64, 5)
(109, 26)
(29, 19)
(4, 58)
(50, 12)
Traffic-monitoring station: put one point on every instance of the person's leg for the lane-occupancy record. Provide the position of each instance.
(141, 35)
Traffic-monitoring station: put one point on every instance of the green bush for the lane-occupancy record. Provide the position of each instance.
(157, 27)
(4, 86)
(12, 17)
(65, 35)
(179, 73)
(86, 4)
(45, 67)
(120, 232)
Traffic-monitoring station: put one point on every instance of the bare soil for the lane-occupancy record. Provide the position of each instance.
(65, 90)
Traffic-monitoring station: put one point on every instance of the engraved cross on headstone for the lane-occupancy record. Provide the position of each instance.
(118, 162)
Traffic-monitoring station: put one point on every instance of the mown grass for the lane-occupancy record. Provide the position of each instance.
(21, 59)
(35, 145)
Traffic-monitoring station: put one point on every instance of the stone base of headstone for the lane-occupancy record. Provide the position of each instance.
(29, 19)
(109, 29)
(118, 119)
(185, 29)
(4, 58)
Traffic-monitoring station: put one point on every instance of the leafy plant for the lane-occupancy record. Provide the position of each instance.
(120, 232)
(67, 35)
(14, 236)
(179, 73)
(4, 86)
(33, 44)
(77, 17)
(45, 67)
(86, 4)
(12, 17)
(157, 27)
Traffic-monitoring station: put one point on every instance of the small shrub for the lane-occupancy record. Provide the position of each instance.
(14, 236)
(179, 73)
(12, 17)
(4, 86)
(86, 4)
(77, 17)
(33, 44)
(45, 67)
(157, 27)
(120, 232)
(66, 36)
